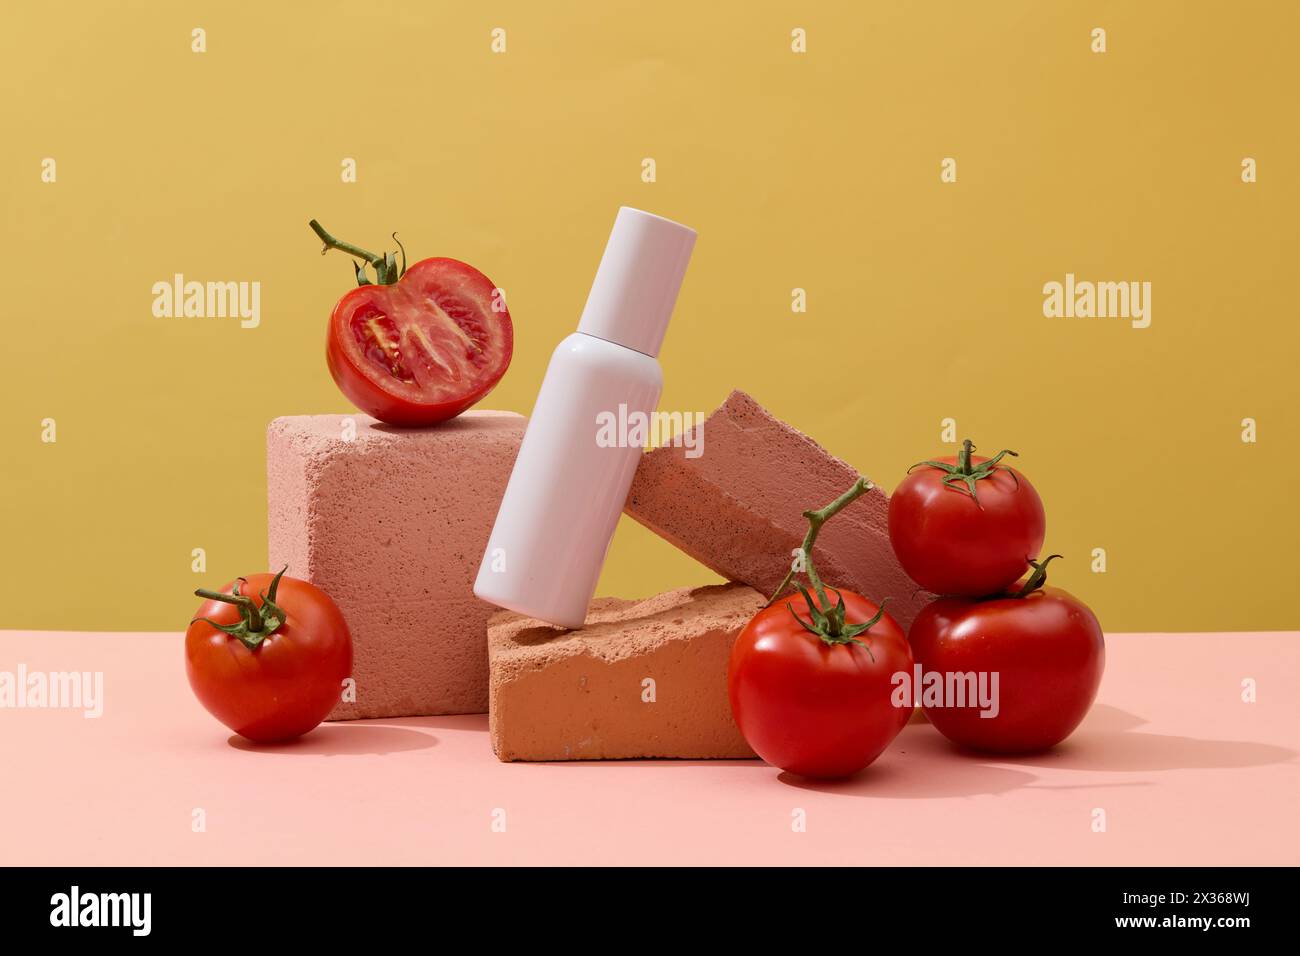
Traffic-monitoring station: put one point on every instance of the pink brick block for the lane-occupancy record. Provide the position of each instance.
(391, 523)
(738, 508)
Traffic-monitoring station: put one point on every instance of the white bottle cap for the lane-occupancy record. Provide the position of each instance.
(635, 289)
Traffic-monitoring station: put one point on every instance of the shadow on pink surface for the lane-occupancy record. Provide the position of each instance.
(331, 740)
(379, 736)
(456, 722)
(1106, 742)
(891, 778)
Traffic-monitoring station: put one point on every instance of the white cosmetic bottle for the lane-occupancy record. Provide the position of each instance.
(575, 464)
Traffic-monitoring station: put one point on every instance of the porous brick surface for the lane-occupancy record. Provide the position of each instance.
(391, 523)
(738, 508)
(640, 679)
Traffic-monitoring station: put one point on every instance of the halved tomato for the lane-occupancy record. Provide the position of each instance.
(422, 345)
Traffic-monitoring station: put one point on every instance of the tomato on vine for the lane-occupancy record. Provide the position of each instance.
(810, 677)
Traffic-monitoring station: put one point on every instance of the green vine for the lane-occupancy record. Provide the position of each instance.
(386, 268)
(826, 621)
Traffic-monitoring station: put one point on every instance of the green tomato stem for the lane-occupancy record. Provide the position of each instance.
(349, 248)
(1038, 578)
(249, 610)
(385, 265)
(963, 457)
(257, 622)
(816, 519)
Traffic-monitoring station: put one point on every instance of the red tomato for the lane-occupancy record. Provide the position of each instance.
(966, 525)
(274, 668)
(813, 707)
(424, 344)
(1047, 650)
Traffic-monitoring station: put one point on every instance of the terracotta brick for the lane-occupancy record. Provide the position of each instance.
(738, 508)
(578, 695)
(392, 525)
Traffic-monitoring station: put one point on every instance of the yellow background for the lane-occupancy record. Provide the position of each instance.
(818, 171)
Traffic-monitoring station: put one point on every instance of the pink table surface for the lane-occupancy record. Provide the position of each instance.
(1185, 771)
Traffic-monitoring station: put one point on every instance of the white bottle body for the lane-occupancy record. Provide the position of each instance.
(570, 481)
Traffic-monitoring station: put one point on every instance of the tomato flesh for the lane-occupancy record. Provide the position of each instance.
(379, 340)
